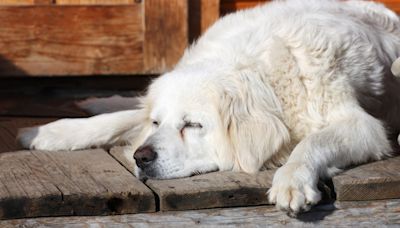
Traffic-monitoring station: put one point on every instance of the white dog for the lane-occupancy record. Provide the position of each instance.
(305, 85)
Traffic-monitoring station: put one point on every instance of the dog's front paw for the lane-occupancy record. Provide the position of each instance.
(35, 138)
(294, 189)
(26, 137)
(52, 136)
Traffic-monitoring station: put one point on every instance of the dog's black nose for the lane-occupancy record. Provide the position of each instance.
(144, 156)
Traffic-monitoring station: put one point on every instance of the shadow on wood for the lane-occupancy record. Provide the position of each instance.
(8, 68)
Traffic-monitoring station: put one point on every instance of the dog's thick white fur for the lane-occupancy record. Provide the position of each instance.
(281, 84)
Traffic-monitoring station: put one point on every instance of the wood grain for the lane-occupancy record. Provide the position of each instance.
(124, 155)
(71, 40)
(229, 6)
(380, 213)
(219, 189)
(202, 14)
(40, 183)
(25, 2)
(373, 181)
(94, 2)
(166, 35)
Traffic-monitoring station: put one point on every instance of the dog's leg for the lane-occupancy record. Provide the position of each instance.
(74, 134)
(96, 106)
(352, 137)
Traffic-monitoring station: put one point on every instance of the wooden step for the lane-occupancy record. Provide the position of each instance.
(218, 189)
(90, 182)
(372, 181)
(378, 180)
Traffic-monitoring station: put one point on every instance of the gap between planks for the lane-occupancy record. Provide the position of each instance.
(372, 181)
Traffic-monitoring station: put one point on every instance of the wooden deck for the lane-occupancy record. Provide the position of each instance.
(381, 213)
(100, 183)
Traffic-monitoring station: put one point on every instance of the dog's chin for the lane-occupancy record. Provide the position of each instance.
(145, 174)
(196, 172)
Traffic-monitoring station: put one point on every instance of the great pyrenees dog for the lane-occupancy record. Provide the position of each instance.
(305, 86)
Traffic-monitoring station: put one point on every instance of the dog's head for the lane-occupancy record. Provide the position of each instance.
(196, 125)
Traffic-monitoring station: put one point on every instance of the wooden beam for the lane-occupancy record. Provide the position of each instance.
(380, 213)
(166, 35)
(94, 2)
(26, 2)
(42, 183)
(71, 40)
(229, 6)
(42, 2)
(219, 189)
(373, 181)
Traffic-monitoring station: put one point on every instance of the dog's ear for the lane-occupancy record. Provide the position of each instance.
(251, 116)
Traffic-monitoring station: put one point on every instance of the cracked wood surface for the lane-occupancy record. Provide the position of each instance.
(218, 189)
(372, 181)
(380, 213)
(91, 182)
(377, 180)
(39, 183)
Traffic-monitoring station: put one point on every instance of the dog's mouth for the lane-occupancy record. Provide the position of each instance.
(148, 173)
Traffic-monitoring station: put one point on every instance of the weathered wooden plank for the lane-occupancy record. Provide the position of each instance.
(229, 6)
(93, 2)
(71, 40)
(373, 181)
(24, 2)
(42, 183)
(42, 2)
(380, 213)
(166, 35)
(9, 128)
(219, 189)
(124, 155)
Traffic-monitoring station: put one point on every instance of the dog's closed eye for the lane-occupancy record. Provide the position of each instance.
(192, 125)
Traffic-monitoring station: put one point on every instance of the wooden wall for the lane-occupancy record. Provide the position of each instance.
(105, 37)
(71, 37)
(228, 6)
